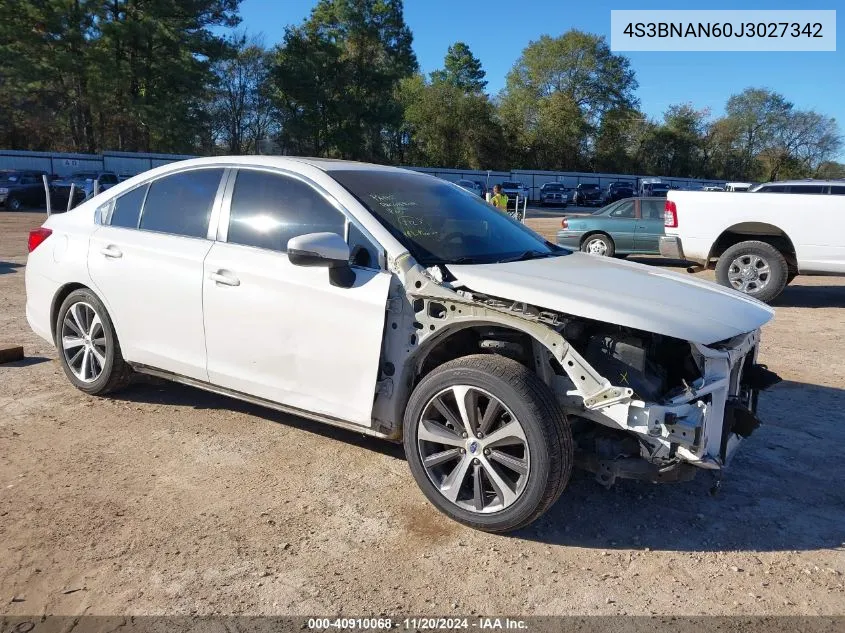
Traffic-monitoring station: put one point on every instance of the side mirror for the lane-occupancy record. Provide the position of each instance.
(328, 250)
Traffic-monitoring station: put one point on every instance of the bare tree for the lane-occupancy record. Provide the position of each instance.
(242, 109)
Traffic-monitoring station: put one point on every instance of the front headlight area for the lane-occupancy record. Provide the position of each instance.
(682, 415)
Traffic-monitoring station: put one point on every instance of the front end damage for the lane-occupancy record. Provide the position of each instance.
(641, 405)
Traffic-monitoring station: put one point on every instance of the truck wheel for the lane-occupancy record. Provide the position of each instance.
(598, 244)
(487, 442)
(14, 204)
(756, 268)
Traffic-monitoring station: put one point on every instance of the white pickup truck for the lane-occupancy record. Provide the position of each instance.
(758, 241)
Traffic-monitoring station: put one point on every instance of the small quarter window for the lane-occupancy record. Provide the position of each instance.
(127, 208)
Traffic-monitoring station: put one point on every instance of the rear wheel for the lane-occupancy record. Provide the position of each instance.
(755, 268)
(487, 442)
(14, 204)
(88, 347)
(598, 244)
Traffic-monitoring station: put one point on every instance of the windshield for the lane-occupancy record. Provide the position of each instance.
(511, 185)
(440, 224)
(8, 176)
(553, 187)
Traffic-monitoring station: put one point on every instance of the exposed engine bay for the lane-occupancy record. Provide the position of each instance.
(640, 405)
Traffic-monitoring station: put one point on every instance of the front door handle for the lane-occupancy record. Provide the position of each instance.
(111, 251)
(226, 280)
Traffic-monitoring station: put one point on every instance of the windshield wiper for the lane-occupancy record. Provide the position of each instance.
(525, 255)
(445, 262)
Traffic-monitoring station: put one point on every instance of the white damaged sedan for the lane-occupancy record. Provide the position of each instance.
(399, 305)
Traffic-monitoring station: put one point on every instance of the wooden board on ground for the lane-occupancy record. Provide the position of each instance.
(9, 354)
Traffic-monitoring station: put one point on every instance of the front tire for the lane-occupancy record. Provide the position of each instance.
(14, 204)
(88, 347)
(487, 442)
(755, 268)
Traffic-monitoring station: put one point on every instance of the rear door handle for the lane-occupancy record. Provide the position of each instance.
(226, 280)
(111, 251)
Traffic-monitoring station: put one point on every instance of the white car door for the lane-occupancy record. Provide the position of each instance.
(283, 332)
(146, 263)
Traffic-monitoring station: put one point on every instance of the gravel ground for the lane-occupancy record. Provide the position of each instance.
(165, 499)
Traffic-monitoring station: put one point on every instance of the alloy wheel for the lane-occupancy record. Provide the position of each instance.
(597, 247)
(83, 340)
(749, 274)
(473, 449)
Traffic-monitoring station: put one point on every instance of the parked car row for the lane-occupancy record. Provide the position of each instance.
(20, 189)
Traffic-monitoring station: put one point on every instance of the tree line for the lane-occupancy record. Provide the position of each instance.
(176, 76)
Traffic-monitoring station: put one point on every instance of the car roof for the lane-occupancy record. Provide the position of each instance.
(803, 182)
(323, 164)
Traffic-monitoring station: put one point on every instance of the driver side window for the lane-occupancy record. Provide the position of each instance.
(624, 210)
(270, 209)
(267, 210)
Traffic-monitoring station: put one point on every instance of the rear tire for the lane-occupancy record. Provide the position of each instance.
(517, 461)
(599, 244)
(88, 347)
(754, 268)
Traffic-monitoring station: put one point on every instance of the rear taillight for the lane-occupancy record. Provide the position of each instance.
(36, 236)
(564, 223)
(670, 214)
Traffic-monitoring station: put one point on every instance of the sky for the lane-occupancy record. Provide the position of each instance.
(498, 30)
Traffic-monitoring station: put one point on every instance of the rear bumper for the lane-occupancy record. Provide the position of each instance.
(39, 299)
(670, 246)
(570, 239)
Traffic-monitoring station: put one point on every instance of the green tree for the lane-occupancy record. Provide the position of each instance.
(768, 138)
(86, 75)
(462, 69)
(563, 87)
(336, 77)
(449, 127)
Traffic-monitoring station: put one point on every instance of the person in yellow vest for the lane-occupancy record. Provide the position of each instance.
(498, 199)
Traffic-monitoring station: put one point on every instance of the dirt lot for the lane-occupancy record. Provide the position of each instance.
(166, 499)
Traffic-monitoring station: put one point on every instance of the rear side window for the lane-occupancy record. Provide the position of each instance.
(270, 209)
(837, 190)
(807, 189)
(181, 204)
(652, 209)
(127, 208)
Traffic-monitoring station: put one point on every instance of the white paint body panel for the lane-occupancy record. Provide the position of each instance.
(623, 293)
(284, 333)
(61, 260)
(154, 293)
(814, 223)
